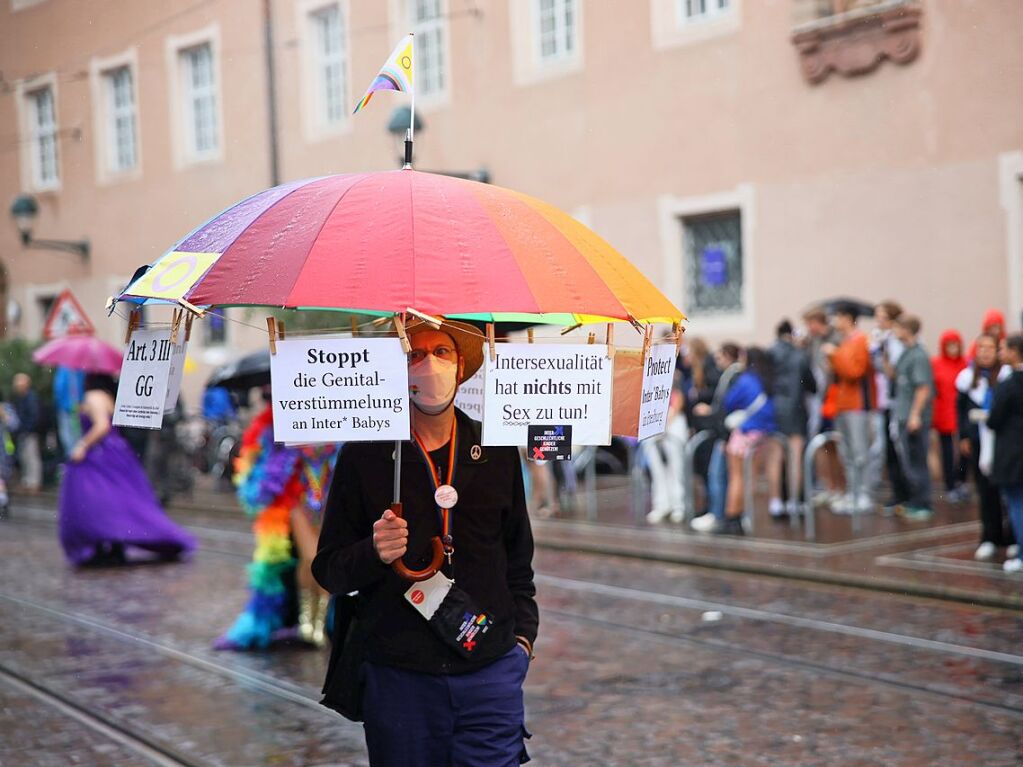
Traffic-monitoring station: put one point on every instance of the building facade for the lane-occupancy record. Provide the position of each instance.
(751, 156)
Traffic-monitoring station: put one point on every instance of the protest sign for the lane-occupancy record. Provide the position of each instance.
(549, 443)
(568, 385)
(469, 398)
(177, 369)
(339, 390)
(658, 372)
(142, 390)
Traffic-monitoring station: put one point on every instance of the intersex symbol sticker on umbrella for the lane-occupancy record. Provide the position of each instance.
(173, 275)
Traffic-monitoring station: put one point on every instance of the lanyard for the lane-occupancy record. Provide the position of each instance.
(445, 514)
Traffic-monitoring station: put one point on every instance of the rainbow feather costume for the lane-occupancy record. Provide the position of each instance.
(272, 480)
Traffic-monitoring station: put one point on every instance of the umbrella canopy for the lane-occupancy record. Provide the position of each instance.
(379, 243)
(243, 373)
(86, 353)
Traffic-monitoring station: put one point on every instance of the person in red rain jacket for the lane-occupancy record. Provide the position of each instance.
(946, 366)
(993, 325)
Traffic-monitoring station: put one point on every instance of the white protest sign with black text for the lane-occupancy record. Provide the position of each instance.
(538, 384)
(469, 398)
(142, 389)
(177, 369)
(658, 371)
(339, 390)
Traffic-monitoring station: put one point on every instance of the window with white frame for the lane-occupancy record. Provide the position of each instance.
(42, 118)
(199, 93)
(555, 29)
(430, 27)
(697, 10)
(329, 56)
(122, 146)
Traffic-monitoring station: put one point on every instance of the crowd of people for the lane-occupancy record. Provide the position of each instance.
(890, 409)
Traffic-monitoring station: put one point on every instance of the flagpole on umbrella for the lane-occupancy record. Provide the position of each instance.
(411, 134)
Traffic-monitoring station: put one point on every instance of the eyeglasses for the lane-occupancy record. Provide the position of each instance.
(441, 352)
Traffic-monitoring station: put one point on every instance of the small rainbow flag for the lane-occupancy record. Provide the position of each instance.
(394, 75)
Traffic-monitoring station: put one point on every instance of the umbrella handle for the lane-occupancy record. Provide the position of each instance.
(427, 572)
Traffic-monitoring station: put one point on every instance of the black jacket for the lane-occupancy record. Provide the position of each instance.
(492, 538)
(1006, 420)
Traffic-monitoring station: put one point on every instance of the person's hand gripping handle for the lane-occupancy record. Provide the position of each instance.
(390, 539)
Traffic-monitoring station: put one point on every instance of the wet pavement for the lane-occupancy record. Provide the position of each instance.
(639, 662)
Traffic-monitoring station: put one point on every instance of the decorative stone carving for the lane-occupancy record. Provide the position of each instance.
(856, 41)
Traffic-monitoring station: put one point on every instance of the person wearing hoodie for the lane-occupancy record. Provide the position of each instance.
(976, 384)
(993, 325)
(946, 366)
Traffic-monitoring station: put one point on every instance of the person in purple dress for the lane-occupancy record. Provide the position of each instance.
(107, 512)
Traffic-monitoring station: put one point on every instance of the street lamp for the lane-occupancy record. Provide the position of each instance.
(24, 209)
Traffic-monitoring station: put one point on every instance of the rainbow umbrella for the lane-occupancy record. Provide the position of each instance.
(381, 243)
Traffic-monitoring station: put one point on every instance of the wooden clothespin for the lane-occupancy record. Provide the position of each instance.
(271, 328)
(592, 338)
(529, 334)
(133, 323)
(648, 337)
(610, 340)
(192, 308)
(678, 330)
(491, 342)
(188, 327)
(355, 326)
(434, 322)
(399, 327)
(280, 329)
(176, 317)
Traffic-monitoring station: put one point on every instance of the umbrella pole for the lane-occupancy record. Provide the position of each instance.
(397, 472)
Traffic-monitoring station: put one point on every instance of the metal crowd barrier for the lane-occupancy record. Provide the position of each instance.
(809, 456)
(688, 474)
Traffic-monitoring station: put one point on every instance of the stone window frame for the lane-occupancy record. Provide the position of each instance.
(316, 125)
(99, 71)
(672, 214)
(175, 47)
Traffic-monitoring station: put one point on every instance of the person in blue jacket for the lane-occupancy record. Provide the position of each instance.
(750, 416)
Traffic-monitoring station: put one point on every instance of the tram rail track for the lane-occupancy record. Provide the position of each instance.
(152, 750)
(307, 696)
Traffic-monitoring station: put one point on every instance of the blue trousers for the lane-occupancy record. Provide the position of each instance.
(717, 480)
(1013, 495)
(431, 720)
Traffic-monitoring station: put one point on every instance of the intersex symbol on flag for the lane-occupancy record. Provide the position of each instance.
(394, 75)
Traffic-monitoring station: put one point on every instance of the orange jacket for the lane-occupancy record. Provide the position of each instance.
(854, 375)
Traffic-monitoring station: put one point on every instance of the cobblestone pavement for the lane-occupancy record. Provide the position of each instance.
(639, 663)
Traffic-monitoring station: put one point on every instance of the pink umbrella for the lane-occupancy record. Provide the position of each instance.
(79, 353)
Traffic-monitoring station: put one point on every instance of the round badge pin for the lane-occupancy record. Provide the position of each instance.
(446, 496)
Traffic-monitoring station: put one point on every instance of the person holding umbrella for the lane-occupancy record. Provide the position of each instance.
(428, 698)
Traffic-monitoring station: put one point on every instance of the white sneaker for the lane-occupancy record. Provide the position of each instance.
(704, 524)
(793, 508)
(1012, 552)
(985, 551)
(1013, 565)
(776, 508)
(677, 515)
(863, 504)
(656, 515)
(844, 504)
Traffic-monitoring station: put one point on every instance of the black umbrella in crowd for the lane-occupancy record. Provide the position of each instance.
(243, 373)
(831, 305)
